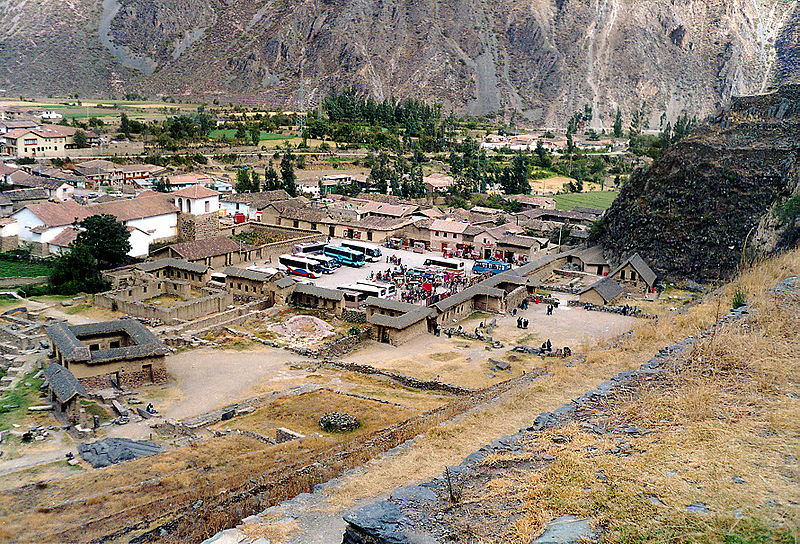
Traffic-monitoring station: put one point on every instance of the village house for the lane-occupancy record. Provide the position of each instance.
(41, 141)
(7, 125)
(64, 392)
(56, 189)
(20, 198)
(590, 260)
(601, 293)
(149, 219)
(273, 211)
(215, 252)
(199, 207)
(446, 235)
(308, 295)
(533, 202)
(123, 354)
(383, 209)
(518, 248)
(251, 204)
(9, 233)
(195, 274)
(634, 275)
(395, 322)
(329, 182)
(308, 187)
(437, 183)
(105, 172)
(282, 290)
(177, 181)
(250, 283)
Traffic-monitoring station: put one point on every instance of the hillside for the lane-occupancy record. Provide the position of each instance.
(726, 192)
(544, 60)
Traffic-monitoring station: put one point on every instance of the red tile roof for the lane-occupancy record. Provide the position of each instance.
(196, 191)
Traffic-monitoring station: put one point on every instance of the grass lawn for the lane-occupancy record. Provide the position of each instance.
(593, 199)
(230, 133)
(23, 396)
(11, 269)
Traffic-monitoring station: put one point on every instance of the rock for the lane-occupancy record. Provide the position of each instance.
(197, 504)
(413, 494)
(738, 480)
(66, 303)
(560, 439)
(566, 530)
(656, 501)
(698, 508)
(73, 462)
(381, 521)
(337, 421)
(114, 450)
(601, 476)
(228, 536)
(548, 457)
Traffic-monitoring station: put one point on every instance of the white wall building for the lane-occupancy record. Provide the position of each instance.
(196, 200)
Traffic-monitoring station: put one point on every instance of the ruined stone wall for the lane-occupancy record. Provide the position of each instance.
(131, 374)
(354, 316)
(128, 301)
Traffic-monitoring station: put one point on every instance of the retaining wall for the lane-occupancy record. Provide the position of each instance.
(18, 281)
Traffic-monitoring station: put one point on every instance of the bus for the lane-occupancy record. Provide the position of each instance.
(310, 247)
(329, 264)
(300, 266)
(344, 255)
(368, 290)
(389, 288)
(354, 299)
(371, 253)
(482, 266)
(451, 266)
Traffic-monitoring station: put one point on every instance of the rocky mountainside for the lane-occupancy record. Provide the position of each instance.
(730, 190)
(541, 60)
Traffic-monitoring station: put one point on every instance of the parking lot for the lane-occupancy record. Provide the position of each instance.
(347, 274)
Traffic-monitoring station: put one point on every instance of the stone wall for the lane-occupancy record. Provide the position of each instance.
(17, 281)
(515, 297)
(408, 381)
(354, 315)
(130, 301)
(131, 374)
(198, 227)
(7, 243)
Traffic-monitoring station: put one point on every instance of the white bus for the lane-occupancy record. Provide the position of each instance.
(329, 264)
(371, 252)
(300, 266)
(310, 247)
(451, 266)
(391, 290)
(354, 299)
(368, 290)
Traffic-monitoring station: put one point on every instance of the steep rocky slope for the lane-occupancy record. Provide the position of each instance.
(543, 59)
(716, 196)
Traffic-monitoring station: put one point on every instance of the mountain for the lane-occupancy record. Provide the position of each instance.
(540, 60)
(730, 190)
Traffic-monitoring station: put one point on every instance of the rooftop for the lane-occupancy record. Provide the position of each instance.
(65, 338)
(210, 247)
(321, 292)
(243, 273)
(196, 191)
(172, 263)
(64, 385)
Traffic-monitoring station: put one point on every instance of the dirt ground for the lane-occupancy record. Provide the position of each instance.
(465, 362)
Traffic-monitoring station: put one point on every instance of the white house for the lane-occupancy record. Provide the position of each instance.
(196, 200)
(154, 217)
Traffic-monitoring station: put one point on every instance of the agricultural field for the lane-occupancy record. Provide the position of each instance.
(21, 269)
(265, 136)
(592, 199)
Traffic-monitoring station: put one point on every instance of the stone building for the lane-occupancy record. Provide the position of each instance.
(601, 293)
(308, 295)
(120, 353)
(199, 217)
(395, 322)
(64, 392)
(195, 274)
(250, 283)
(634, 275)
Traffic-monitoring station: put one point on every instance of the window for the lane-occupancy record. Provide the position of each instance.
(94, 347)
(208, 206)
(114, 344)
(296, 223)
(369, 235)
(633, 275)
(622, 275)
(188, 206)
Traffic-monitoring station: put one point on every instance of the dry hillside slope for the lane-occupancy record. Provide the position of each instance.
(544, 59)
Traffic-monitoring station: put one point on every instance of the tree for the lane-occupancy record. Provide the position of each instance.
(163, 185)
(241, 134)
(255, 135)
(520, 171)
(80, 139)
(618, 125)
(247, 181)
(288, 176)
(107, 240)
(271, 179)
(125, 125)
(76, 271)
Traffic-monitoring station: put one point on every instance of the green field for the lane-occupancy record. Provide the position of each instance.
(230, 133)
(12, 269)
(593, 199)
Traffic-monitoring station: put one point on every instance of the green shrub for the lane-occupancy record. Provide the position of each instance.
(739, 298)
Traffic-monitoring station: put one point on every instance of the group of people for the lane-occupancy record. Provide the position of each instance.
(522, 323)
(394, 259)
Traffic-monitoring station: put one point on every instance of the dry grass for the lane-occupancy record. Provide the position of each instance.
(301, 413)
(276, 532)
(449, 444)
(725, 415)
